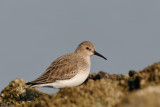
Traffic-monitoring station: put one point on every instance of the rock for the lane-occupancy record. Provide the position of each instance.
(147, 97)
(99, 93)
(101, 89)
(18, 92)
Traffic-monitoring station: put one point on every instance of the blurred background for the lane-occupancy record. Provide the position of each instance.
(33, 33)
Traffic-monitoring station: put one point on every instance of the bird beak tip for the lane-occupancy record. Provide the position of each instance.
(96, 53)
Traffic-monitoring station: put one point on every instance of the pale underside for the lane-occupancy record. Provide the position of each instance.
(66, 71)
(78, 79)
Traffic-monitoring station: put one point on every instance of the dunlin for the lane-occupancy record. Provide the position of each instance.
(69, 70)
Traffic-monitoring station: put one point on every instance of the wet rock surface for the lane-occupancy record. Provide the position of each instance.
(101, 89)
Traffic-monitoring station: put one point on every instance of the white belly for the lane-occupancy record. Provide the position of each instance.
(78, 79)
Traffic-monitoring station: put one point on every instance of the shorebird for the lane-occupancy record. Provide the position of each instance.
(69, 70)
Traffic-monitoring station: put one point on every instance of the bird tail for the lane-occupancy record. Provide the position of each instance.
(32, 84)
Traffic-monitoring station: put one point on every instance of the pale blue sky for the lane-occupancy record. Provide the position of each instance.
(33, 33)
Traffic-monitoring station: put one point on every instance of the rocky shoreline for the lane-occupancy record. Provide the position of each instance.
(137, 88)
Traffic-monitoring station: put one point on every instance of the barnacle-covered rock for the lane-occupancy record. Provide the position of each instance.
(12, 91)
(99, 90)
(18, 92)
(99, 93)
(144, 78)
(101, 74)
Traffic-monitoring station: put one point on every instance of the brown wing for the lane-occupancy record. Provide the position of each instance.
(64, 67)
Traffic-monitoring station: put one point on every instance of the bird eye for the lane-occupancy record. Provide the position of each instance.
(88, 48)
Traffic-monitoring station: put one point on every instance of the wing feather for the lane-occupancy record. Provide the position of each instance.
(62, 68)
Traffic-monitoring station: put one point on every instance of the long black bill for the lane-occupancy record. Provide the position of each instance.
(96, 53)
